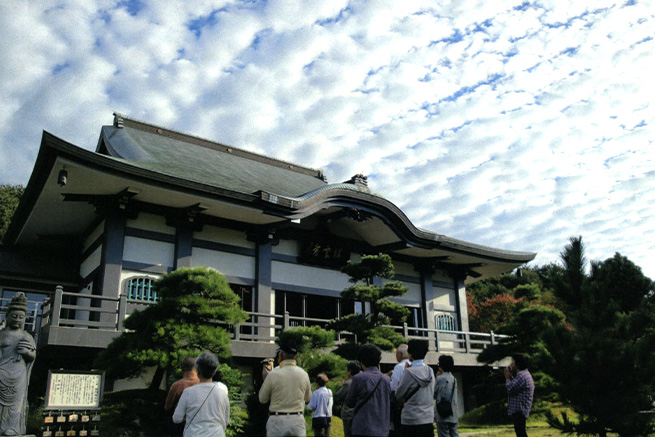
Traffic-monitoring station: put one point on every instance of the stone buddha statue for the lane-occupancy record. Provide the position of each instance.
(17, 353)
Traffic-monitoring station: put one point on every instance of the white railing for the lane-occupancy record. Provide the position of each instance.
(108, 313)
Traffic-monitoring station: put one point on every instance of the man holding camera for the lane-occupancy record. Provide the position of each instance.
(288, 389)
(520, 392)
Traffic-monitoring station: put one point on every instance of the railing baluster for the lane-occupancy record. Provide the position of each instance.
(122, 312)
(56, 306)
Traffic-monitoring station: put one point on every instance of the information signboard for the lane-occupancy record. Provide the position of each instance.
(74, 390)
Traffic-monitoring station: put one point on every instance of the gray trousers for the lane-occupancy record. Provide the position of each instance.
(447, 429)
(286, 426)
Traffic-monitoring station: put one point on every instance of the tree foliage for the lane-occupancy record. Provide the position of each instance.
(496, 302)
(308, 337)
(369, 328)
(596, 345)
(195, 303)
(10, 196)
(598, 367)
(495, 312)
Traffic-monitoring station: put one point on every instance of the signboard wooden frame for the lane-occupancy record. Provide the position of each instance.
(74, 390)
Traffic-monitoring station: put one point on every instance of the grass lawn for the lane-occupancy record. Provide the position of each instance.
(140, 413)
(534, 430)
(508, 431)
(336, 430)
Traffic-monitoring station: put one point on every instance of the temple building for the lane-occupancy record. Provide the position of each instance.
(95, 229)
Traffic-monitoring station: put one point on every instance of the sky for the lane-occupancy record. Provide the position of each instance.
(512, 124)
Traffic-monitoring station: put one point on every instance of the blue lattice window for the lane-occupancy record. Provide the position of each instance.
(140, 288)
(445, 322)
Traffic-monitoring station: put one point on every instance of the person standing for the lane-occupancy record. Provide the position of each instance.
(446, 389)
(402, 357)
(369, 396)
(403, 361)
(352, 368)
(189, 379)
(17, 354)
(520, 392)
(415, 392)
(321, 403)
(205, 407)
(287, 388)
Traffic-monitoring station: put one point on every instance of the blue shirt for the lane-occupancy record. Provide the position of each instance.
(372, 417)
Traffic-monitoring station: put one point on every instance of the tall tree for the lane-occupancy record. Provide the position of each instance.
(597, 363)
(369, 327)
(571, 285)
(195, 303)
(10, 196)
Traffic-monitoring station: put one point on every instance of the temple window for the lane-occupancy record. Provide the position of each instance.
(445, 322)
(140, 289)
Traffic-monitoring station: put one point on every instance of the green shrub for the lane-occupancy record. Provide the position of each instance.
(257, 415)
(348, 351)
(135, 413)
(238, 422)
(315, 362)
(386, 338)
(308, 337)
(493, 413)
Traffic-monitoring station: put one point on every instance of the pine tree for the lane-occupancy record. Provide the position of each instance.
(195, 307)
(369, 328)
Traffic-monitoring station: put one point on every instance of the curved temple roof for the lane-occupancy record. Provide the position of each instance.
(164, 167)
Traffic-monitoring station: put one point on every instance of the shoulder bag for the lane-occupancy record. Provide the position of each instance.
(445, 407)
(201, 405)
(358, 407)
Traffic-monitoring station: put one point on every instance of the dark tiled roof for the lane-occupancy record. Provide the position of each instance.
(195, 159)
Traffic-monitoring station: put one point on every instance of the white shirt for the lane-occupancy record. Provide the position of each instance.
(397, 374)
(321, 402)
(211, 418)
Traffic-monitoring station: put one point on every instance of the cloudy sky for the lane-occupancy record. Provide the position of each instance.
(514, 124)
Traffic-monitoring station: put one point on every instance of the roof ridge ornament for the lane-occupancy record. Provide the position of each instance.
(359, 180)
(118, 120)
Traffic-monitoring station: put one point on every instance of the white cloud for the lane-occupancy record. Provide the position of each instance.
(508, 124)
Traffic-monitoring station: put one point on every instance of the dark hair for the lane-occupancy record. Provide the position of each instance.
(321, 379)
(446, 362)
(521, 361)
(206, 363)
(354, 367)
(290, 348)
(188, 364)
(417, 349)
(369, 355)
